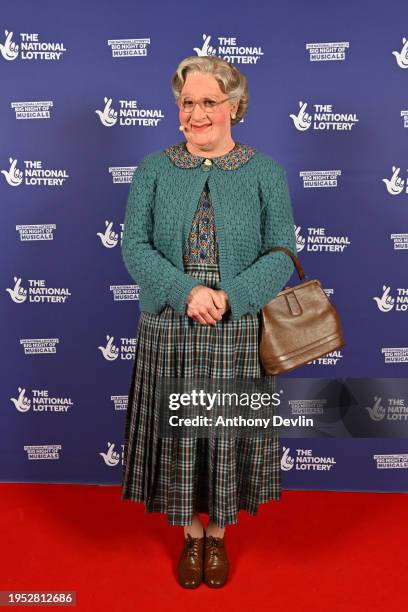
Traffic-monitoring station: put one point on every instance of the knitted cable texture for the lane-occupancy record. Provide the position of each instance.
(253, 213)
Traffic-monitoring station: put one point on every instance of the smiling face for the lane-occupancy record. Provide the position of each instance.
(215, 135)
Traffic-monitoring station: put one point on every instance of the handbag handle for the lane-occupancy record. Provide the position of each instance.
(295, 260)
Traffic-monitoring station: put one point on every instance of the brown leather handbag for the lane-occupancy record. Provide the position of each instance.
(300, 324)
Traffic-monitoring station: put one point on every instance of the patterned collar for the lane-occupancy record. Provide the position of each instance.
(239, 155)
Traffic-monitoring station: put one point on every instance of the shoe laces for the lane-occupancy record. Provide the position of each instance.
(192, 545)
(214, 545)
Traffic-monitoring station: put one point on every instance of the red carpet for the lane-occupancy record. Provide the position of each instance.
(310, 551)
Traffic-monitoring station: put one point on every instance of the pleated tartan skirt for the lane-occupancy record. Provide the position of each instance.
(180, 476)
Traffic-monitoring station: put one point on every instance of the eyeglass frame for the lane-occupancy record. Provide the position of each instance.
(217, 103)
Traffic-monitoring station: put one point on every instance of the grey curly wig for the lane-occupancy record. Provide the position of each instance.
(231, 81)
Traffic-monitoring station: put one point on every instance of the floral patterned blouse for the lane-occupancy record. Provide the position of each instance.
(201, 245)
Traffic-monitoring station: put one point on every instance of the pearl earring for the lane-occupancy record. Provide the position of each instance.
(233, 116)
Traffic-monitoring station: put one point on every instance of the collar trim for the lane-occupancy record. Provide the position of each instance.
(237, 157)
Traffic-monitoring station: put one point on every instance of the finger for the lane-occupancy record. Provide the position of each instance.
(200, 319)
(208, 318)
(215, 313)
(195, 316)
(217, 299)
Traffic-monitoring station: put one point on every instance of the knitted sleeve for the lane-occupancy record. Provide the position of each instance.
(146, 265)
(258, 284)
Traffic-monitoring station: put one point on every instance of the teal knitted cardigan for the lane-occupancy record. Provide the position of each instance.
(253, 213)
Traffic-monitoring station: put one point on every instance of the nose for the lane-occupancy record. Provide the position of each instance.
(198, 114)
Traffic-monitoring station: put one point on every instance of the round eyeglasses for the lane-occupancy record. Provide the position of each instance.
(208, 105)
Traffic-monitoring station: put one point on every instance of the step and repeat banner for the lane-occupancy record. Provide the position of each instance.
(85, 95)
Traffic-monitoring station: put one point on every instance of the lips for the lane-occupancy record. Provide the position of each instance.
(201, 127)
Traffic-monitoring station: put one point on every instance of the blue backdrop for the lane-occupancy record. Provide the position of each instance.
(85, 96)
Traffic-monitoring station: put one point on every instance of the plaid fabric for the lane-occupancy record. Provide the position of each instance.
(211, 475)
(179, 476)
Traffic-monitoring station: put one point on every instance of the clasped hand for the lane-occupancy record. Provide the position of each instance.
(206, 305)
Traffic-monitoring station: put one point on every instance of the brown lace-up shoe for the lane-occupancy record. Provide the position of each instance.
(190, 566)
(215, 562)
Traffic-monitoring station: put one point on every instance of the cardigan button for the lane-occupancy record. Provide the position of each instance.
(207, 164)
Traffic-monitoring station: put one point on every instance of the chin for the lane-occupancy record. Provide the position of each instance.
(201, 137)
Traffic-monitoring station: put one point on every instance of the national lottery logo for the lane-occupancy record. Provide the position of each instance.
(287, 462)
(31, 47)
(318, 240)
(377, 410)
(395, 185)
(22, 403)
(386, 302)
(206, 48)
(322, 118)
(37, 292)
(110, 351)
(13, 175)
(34, 174)
(302, 121)
(109, 237)
(228, 48)
(124, 350)
(9, 49)
(108, 115)
(17, 293)
(395, 409)
(112, 457)
(305, 460)
(401, 56)
(300, 240)
(41, 401)
(128, 113)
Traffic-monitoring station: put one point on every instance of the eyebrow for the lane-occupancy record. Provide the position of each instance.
(206, 96)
